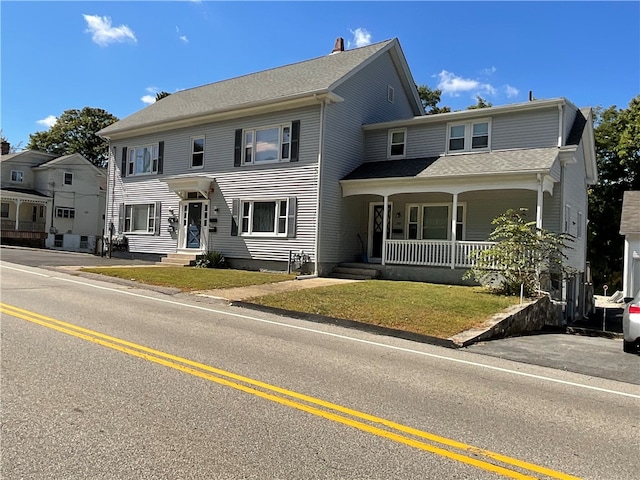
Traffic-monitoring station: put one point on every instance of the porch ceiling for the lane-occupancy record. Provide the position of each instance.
(24, 195)
(498, 170)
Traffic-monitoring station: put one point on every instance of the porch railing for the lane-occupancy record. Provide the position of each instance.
(432, 253)
(23, 226)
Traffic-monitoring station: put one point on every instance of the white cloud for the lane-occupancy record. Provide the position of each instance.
(454, 85)
(511, 91)
(361, 38)
(489, 71)
(103, 33)
(48, 122)
(148, 99)
(182, 37)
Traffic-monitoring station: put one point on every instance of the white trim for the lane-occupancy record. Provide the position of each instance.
(254, 143)
(420, 219)
(192, 153)
(468, 136)
(21, 180)
(183, 205)
(277, 218)
(155, 154)
(390, 143)
(149, 217)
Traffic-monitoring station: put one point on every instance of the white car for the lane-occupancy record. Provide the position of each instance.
(631, 325)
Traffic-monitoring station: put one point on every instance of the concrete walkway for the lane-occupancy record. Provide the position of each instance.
(239, 294)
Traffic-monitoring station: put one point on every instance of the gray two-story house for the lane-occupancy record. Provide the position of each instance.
(335, 157)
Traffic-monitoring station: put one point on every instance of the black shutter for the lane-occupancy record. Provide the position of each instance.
(235, 211)
(237, 154)
(121, 219)
(157, 212)
(291, 217)
(123, 165)
(160, 156)
(295, 140)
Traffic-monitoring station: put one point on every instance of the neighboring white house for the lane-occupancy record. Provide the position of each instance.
(335, 157)
(53, 201)
(630, 228)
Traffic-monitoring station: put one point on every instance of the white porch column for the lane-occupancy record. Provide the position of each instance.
(18, 202)
(385, 225)
(454, 221)
(539, 204)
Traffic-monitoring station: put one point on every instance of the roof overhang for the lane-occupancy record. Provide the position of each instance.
(181, 185)
(236, 111)
(450, 184)
(9, 196)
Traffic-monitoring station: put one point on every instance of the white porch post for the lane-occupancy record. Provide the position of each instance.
(454, 221)
(18, 202)
(539, 204)
(385, 222)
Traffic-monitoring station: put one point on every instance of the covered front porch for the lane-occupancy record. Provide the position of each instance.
(25, 216)
(420, 224)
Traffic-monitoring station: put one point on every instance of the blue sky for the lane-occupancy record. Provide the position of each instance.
(116, 55)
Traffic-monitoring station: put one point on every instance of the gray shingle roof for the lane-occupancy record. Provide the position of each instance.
(630, 218)
(487, 163)
(307, 77)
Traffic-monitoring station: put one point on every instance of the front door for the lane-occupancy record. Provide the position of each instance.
(376, 228)
(194, 225)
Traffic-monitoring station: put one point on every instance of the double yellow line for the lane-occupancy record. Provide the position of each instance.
(445, 447)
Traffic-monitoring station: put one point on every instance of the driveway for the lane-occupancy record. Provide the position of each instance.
(588, 355)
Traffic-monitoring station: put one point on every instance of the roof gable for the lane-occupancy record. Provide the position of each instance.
(630, 218)
(74, 159)
(306, 79)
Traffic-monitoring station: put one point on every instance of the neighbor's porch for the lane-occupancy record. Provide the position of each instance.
(24, 216)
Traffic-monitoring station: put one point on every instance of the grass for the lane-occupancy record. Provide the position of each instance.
(190, 279)
(436, 310)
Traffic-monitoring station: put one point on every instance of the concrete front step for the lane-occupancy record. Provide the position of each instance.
(355, 272)
(178, 259)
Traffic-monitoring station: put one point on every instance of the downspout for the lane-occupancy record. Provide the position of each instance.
(560, 124)
(319, 182)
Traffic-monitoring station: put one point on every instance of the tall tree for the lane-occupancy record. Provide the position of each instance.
(482, 103)
(161, 95)
(617, 141)
(430, 99)
(75, 132)
(12, 148)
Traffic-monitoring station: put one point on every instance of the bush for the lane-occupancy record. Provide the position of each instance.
(211, 260)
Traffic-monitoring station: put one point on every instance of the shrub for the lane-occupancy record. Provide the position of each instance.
(211, 260)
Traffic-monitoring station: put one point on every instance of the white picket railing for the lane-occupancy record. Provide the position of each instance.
(432, 253)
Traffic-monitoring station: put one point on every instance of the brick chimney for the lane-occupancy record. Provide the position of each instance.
(339, 46)
(6, 147)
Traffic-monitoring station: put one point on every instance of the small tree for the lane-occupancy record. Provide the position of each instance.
(522, 255)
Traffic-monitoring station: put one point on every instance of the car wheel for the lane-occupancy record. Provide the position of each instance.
(629, 347)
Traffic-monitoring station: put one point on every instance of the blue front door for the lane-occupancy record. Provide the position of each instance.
(194, 225)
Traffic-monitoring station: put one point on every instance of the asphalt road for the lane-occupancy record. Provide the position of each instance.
(229, 393)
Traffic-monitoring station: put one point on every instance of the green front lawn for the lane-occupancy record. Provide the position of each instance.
(189, 279)
(424, 308)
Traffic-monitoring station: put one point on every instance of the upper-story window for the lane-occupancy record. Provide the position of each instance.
(197, 152)
(469, 136)
(143, 160)
(397, 143)
(17, 176)
(67, 178)
(267, 145)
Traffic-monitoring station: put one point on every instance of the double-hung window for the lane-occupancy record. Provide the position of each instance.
(140, 218)
(67, 178)
(143, 160)
(263, 145)
(277, 143)
(433, 222)
(4, 210)
(17, 176)
(264, 218)
(468, 137)
(197, 152)
(397, 143)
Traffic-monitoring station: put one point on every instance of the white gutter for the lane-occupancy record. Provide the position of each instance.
(319, 182)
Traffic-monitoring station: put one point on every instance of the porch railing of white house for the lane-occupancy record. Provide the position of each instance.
(432, 253)
(23, 226)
